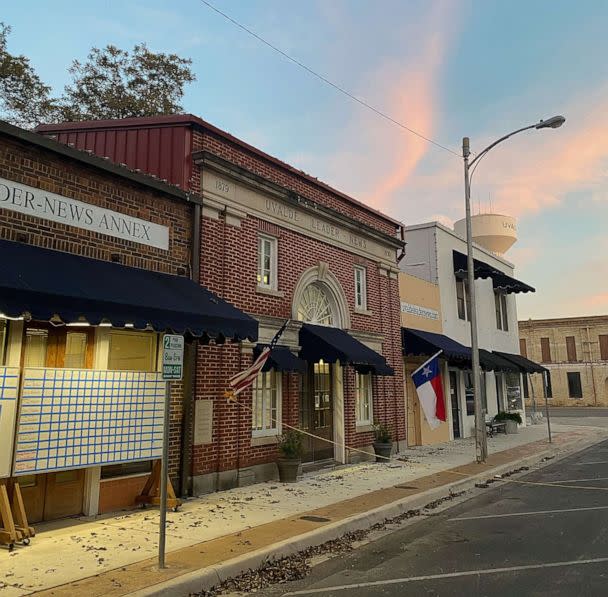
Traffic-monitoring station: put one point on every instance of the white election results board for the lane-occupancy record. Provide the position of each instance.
(75, 418)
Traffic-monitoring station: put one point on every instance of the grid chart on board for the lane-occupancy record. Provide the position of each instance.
(9, 387)
(74, 418)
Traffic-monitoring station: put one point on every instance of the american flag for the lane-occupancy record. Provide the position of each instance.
(241, 381)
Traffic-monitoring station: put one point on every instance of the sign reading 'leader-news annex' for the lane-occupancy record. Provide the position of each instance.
(42, 204)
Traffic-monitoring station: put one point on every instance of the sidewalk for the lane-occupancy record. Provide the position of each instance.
(116, 555)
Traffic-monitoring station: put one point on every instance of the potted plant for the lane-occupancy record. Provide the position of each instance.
(383, 442)
(290, 448)
(511, 420)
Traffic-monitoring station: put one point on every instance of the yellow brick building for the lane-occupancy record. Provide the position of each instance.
(575, 350)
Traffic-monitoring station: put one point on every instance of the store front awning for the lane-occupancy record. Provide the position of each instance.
(47, 285)
(501, 281)
(525, 365)
(333, 344)
(281, 359)
(491, 361)
(418, 342)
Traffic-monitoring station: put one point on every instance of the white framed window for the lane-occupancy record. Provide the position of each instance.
(267, 261)
(463, 299)
(363, 398)
(502, 316)
(360, 288)
(266, 405)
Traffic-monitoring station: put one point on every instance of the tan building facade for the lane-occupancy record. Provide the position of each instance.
(575, 351)
(421, 310)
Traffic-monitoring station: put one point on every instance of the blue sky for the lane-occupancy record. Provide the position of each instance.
(445, 68)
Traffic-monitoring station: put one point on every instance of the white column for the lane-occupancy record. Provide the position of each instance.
(338, 413)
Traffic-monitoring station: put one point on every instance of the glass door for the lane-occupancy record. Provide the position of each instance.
(316, 412)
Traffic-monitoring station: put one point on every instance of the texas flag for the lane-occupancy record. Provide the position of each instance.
(430, 391)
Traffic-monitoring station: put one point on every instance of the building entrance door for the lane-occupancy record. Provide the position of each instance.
(455, 403)
(53, 495)
(316, 412)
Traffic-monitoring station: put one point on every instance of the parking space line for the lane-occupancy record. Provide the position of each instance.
(585, 463)
(532, 513)
(396, 581)
(577, 480)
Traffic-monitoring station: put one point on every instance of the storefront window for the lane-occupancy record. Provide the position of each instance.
(266, 404)
(469, 395)
(36, 343)
(513, 386)
(132, 351)
(363, 398)
(75, 350)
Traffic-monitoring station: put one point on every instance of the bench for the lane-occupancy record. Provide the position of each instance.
(493, 426)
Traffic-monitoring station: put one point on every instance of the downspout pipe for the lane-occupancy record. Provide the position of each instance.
(187, 444)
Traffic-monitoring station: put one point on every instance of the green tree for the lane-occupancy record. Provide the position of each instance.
(110, 83)
(114, 83)
(24, 99)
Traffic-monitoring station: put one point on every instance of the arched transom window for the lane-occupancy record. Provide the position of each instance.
(316, 306)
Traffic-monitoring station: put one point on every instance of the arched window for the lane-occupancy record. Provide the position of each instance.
(316, 306)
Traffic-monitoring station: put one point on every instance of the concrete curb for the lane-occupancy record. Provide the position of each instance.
(205, 578)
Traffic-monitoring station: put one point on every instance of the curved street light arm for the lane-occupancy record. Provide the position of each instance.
(482, 153)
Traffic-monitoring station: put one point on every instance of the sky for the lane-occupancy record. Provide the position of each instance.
(445, 68)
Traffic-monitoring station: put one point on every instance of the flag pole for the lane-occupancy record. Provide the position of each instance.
(426, 362)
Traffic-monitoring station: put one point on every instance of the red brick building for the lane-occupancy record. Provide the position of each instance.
(95, 263)
(278, 244)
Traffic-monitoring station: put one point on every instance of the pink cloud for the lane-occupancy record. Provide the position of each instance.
(378, 158)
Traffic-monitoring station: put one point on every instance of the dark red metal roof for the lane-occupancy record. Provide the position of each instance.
(127, 146)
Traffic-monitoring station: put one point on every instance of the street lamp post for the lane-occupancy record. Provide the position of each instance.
(481, 443)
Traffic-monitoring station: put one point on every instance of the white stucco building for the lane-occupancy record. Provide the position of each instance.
(437, 254)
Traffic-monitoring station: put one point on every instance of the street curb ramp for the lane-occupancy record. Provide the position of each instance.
(208, 577)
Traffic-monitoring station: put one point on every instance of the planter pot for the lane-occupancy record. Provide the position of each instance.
(288, 469)
(511, 426)
(383, 449)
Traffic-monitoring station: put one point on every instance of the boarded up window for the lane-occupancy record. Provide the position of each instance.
(571, 349)
(523, 349)
(604, 347)
(545, 350)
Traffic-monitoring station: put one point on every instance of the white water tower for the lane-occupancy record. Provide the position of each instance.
(494, 232)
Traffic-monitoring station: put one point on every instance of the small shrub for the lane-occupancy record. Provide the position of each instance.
(382, 433)
(505, 416)
(291, 444)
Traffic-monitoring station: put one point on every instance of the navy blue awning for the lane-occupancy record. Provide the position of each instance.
(333, 344)
(491, 361)
(420, 343)
(524, 364)
(281, 359)
(42, 284)
(500, 281)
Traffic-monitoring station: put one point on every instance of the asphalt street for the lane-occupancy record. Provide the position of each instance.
(589, 416)
(543, 534)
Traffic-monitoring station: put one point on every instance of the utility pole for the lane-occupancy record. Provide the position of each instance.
(481, 440)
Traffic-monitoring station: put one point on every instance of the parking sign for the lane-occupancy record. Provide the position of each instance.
(173, 356)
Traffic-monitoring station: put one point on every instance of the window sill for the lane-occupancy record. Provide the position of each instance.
(264, 440)
(122, 477)
(364, 312)
(363, 428)
(269, 291)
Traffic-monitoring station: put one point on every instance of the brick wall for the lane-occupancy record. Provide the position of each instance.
(229, 267)
(37, 167)
(286, 178)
